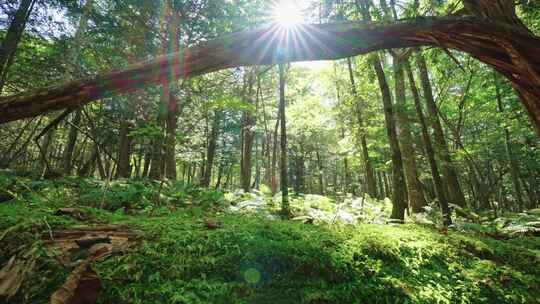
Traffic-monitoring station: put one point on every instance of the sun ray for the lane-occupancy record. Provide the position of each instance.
(287, 13)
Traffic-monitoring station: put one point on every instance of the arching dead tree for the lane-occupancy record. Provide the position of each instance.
(488, 30)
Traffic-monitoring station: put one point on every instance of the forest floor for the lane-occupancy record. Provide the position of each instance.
(152, 242)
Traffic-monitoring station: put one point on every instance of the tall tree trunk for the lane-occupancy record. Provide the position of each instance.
(156, 168)
(211, 150)
(101, 168)
(382, 185)
(512, 160)
(387, 185)
(10, 153)
(88, 168)
(44, 151)
(220, 174)
(170, 138)
(398, 178)
(320, 173)
(414, 188)
(124, 152)
(454, 193)
(399, 195)
(273, 174)
(257, 180)
(368, 167)
(430, 153)
(74, 70)
(189, 172)
(285, 210)
(147, 162)
(67, 155)
(299, 172)
(346, 178)
(248, 124)
(229, 176)
(137, 163)
(13, 37)
(171, 37)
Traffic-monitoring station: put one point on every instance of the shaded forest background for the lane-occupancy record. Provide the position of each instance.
(413, 125)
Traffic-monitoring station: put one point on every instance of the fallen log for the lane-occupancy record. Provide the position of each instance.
(493, 35)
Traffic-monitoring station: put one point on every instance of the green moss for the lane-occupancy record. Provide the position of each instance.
(251, 260)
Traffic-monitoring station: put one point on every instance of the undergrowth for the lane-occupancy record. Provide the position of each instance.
(247, 259)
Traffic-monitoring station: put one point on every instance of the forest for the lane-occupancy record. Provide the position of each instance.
(269, 151)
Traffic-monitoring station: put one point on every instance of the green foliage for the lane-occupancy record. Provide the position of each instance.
(251, 260)
(248, 260)
(130, 196)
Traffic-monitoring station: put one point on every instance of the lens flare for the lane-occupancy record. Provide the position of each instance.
(252, 276)
(287, 14)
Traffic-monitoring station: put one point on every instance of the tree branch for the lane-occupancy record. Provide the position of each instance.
(491, 42)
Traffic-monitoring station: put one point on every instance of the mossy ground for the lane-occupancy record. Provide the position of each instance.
(253, 260)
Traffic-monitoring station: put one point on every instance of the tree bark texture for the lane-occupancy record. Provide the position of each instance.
(414, 188)
(399, 195)
(430, 152)
(454, 192)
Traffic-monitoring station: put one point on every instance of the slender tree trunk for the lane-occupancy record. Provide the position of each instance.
(430, 153)
(398, 179)
(67, 155)
(171, 44)
(299, 166)
(368, 168)
(454, 192)
(273, 174)
(512, 160)
(257, 180)
(220, 175)
(211, 150)
(320, 173)
(382, 185)
(88, 167)
(44, 152)
(10, 153)
(285, 211)
(147, 162)
(248, 121)
(74, 70)
(414, 188)
(13, 37)
(189, 172)
(531, 190)
(399, 195)
(137, 162)
(266, 160)
(387, 185)
(156, 168)
(229, 176)
(101, 168)
(124, 152)
(170, 145)
(346, 176)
